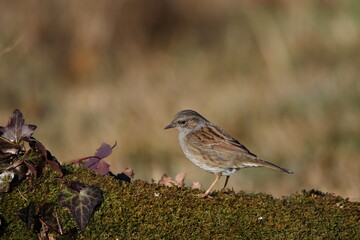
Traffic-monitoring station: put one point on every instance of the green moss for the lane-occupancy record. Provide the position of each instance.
(141, 210)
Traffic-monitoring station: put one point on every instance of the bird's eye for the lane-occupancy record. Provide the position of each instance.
(181, 122)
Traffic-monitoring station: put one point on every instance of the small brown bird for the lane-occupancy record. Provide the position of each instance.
(212, 149)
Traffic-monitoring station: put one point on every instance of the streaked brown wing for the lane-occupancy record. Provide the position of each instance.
(219, 147)
(213, 137)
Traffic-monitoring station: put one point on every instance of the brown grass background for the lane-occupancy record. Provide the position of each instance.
(280, 76)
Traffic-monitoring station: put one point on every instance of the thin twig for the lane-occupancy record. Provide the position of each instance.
(82, 159)
(58, 223)
(45, 223)
(22, 195)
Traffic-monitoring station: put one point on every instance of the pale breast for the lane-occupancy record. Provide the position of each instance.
(194, 155)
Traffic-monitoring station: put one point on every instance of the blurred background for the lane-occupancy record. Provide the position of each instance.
(280, 76)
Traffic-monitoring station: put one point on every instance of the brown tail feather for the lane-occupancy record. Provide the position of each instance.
(273, 166)
(261, 163)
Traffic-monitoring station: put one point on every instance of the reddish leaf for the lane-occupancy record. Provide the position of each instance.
(53, 163)
(55, 166)
(16, 129)
(44, 157)
(104, 150)
(96, 163)
(31, 168)
(37, 146)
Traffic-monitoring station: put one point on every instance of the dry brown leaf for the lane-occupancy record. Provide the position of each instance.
(195, 185)
(166, 181)
(179, 179)
(169, 182)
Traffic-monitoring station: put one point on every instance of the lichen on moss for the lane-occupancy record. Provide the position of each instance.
(141, 210)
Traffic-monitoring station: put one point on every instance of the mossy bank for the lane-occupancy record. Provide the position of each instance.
(140, 210)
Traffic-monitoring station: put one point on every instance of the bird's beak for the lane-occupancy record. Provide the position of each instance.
(171, 125)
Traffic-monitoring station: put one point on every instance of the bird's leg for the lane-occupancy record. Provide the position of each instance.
(226, 181)
(217, 177)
